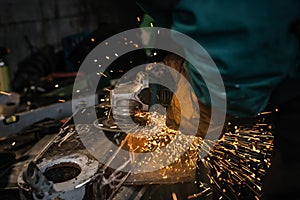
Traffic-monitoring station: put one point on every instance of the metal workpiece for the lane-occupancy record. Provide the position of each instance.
(66, 177)
(65, 169)
(62, 170)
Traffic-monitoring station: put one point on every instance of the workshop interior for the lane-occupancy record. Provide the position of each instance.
(70, 134)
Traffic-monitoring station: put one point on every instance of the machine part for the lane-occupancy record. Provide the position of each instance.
(67, 177)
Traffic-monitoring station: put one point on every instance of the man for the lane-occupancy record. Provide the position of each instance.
(255, 45)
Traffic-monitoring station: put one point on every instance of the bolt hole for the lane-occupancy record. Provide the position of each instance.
(62, 172)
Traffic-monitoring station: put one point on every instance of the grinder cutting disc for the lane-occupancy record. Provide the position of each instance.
(109, 124)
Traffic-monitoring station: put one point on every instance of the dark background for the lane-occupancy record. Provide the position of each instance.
(48, 21)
